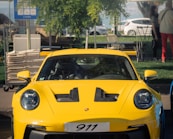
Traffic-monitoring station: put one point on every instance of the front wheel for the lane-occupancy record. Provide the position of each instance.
(131, 33)
(92, 33)
(6, 88)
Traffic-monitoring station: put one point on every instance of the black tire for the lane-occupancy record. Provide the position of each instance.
(131, 33)
(11, 86)
(92, 33)
(162, 124)
(6, 88)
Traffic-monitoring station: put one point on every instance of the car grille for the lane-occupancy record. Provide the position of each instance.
(90, 136)
(140, 133)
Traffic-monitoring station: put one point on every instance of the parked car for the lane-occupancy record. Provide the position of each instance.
(137, 27)
(87, 93)
(120, 26)
(100, 30)
(171, 95)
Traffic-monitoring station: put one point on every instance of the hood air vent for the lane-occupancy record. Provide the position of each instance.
(73, 96)
(101, 96)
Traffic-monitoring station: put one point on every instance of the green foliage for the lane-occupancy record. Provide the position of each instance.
(59, 14)
(114, 7)
(94, 9)
(75, 14)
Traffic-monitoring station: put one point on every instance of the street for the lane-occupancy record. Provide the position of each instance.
(5, 130)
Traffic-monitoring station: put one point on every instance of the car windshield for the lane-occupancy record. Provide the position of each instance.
(87, 67)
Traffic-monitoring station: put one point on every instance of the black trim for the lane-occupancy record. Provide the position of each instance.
(137, 133)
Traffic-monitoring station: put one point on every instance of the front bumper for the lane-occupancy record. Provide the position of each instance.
(139, 133)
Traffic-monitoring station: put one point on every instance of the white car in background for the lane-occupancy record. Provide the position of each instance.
(121, 25)
(100, 30)
(138, 27)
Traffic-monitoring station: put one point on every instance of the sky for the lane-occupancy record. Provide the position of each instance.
(4, 8)
(131, 7)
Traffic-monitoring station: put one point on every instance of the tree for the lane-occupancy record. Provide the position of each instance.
(144, 6)
(75, 14)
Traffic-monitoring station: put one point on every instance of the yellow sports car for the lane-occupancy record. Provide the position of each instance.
(87, 94)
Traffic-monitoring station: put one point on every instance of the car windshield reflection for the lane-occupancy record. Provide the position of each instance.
(91, 67)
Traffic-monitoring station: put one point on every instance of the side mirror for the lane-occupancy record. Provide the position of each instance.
(24, 75)
(150, 75)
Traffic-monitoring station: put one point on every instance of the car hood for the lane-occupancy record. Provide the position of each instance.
(72, 97)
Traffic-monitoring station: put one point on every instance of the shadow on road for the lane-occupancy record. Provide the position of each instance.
(169, 124)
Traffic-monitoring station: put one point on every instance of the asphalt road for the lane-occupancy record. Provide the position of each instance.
(5, 129)
(5, 104)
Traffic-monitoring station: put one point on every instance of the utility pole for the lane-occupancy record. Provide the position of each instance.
(28, 34)
(95, 43)
(86, 41)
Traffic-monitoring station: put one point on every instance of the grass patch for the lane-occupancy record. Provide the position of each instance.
(164, 70)
(103, 38)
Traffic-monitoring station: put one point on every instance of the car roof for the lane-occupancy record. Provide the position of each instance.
(123, 21)
(138, 19)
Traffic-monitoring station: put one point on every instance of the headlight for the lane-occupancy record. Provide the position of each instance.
(29, 100)
(143, 99)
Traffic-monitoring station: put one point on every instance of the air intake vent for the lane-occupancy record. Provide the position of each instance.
(102, 96)
(73, 96)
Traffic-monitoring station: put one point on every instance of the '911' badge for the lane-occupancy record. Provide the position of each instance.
(87, 127)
